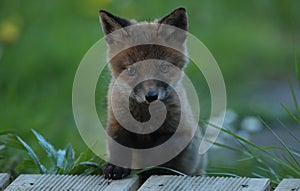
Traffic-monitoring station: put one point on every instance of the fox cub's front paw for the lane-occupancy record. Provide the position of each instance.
(111, 171)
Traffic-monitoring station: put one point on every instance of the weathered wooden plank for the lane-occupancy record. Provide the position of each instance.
(170, 183)
(290, 184)
(71, 182)
(4, 180)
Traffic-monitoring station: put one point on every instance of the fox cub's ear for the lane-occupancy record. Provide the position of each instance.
(177, 18)
(111, 23)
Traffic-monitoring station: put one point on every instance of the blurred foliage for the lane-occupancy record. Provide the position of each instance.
(61, 161)
(42, 43)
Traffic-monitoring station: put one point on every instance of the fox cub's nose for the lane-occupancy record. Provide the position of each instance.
(151, 96)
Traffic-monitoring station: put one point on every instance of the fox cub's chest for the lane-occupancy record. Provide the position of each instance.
(141, 113)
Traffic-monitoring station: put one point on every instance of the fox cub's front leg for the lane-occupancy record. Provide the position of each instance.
(119, 159)
(111, 171)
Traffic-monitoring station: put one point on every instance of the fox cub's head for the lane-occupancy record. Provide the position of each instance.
(147, 56)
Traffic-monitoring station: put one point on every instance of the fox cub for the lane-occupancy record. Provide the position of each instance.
(167, 64)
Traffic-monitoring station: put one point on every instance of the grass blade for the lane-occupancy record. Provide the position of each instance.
(229, 147)
(158, 167)
(290, 132)
(290, 113)
(297, 71)
(285, 147)
(294, 98)
(222, 174)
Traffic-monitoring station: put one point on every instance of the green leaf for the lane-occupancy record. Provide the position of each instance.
(12, 141)
(70, 158)
(2, 147)
(33, 156)
(60, 158)
(29, 164)
(76, 167)
(88, 171)
(92, 164)
(6, 132)
(46, 146)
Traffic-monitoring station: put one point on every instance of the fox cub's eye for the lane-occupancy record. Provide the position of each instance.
(131, 71)
(164, 68)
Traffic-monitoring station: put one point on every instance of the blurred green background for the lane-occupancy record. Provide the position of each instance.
(42, 42)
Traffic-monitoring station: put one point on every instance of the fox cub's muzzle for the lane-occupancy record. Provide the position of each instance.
(151, 96)
(150, 90)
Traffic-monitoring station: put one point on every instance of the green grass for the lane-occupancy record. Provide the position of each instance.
(260, 161)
